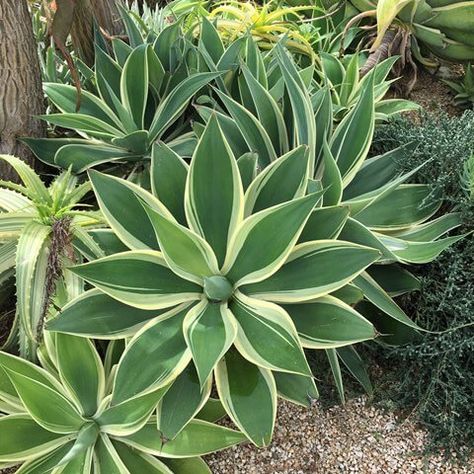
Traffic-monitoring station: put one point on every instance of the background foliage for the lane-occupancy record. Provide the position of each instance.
(435, 374)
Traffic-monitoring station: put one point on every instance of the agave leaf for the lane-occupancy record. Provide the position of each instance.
(266, 190)
(168, 179)
(296, 281)
(136, 461)
(329, 323)
(119, 202)
(131, 415)
(376, 295)
(49, 408)
(185, 252)
(64, 97)
(183, 400)
(255, 416)
(267, 336)
(209, 330)
(138, 278)
(297, 389)
(214, 194)
(24, 439)
(196, 439)
(134, 84)
(245, 263)
(97, 315)
(161, 341)
(81, 371)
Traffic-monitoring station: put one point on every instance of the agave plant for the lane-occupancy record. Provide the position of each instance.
(233, 286)
(360, 192)
(425, 30)
(464, 89)
(69, 417)
(37, 228)
(136, 102)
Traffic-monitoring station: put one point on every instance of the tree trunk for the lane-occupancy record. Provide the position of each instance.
(21, 96)
(107, 17)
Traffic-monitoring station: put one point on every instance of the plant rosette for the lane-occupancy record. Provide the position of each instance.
(69, 417)
(218, 277)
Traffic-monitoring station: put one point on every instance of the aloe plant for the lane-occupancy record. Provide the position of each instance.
(68, 416)
(230, 288)
(37, 229)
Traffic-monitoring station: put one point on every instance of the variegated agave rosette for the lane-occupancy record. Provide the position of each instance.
(69, 417)
(219, 273)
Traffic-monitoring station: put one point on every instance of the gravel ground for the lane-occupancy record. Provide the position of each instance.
(356, 438)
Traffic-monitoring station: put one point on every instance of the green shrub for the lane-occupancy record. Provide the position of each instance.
(435, 374)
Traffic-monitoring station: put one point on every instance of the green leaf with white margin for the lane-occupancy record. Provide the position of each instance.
(314, 269)
(209, 330)
(296, 388)
(196, 439)
(328, 323)
(31, 268)
(64, 97)
(253, 132)
(119, 202)
(336, 372)
(418, 252)
(267, 336)
(377, 296)
(23, 438)
(356, 366)
(97, 315)
(331, 178)
(45, 463)
(168, 175)
(268, 111)
(81, 451)
(394, 279)
(81, 157)
(81, 371)
(161, 342)
(324, 223)
(249, 395)
(134, 84)
(106, 458)
(170, 109)
(214, 194)
(130, 415)
(137, 462)
(138, 278)
(183, 400)
(49, 408)
(433, 229)
(266, 189)
(245, 261)
(26, 368)
(304, 118)
(186, 253)
(188, 465)
(400, 209)
(352, 138)
(30, 179)
(248, 164)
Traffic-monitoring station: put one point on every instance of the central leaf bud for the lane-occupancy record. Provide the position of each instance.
(217, 288)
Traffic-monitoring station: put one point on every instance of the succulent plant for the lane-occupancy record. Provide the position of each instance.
(67, 416)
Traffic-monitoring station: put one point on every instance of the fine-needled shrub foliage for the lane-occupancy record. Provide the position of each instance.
(436, 372)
